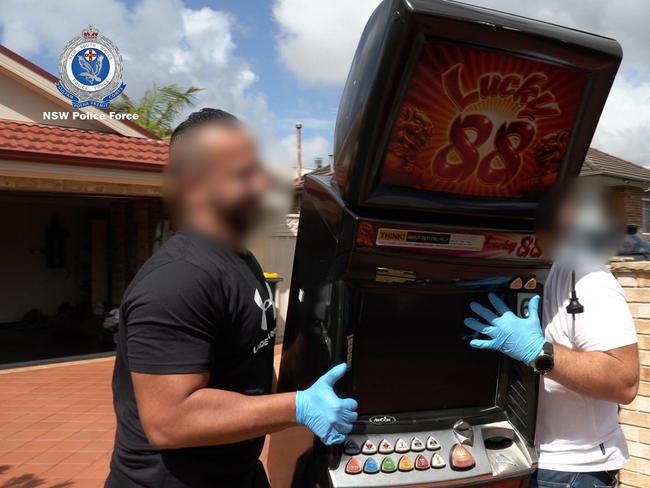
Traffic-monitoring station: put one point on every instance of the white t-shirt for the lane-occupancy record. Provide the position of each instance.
(574, 429)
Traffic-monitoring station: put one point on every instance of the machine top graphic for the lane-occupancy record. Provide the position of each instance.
(455, 109)
(482, 123)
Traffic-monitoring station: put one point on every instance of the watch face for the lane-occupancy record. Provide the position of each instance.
(543, 363)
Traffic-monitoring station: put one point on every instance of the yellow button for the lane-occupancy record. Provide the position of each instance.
(405, 463)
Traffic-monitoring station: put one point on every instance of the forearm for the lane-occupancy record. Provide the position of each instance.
(598, 374)
(211, 417)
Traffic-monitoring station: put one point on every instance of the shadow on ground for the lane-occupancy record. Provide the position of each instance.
(30, 481)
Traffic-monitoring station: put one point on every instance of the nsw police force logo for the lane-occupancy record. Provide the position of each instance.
(90, 70)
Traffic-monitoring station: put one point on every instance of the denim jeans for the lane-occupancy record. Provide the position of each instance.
(544, 478)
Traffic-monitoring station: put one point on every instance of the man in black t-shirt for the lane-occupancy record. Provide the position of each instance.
(194, 367)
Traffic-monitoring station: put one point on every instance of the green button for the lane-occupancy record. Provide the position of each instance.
(388, 465)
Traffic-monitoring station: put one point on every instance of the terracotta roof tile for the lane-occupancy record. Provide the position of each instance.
(600, 163)
(43, 143)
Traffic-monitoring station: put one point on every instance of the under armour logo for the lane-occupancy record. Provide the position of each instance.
(264, 305)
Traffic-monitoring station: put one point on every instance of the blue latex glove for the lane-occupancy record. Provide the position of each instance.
(521, 339)
(321, 411)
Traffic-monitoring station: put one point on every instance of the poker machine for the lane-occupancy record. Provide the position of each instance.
(455, 122)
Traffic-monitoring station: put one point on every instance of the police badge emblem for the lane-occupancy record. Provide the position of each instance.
(90, 70)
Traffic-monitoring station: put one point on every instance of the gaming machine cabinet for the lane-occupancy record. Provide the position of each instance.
(454, 123)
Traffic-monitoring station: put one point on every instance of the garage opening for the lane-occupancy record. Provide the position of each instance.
(65, 262)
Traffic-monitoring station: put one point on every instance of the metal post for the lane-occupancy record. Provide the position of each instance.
(299, 138)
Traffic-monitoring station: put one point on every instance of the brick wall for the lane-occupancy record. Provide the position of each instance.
(132, 230)
(629, 198)
(635, 418)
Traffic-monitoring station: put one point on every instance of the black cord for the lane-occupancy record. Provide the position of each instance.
(574, 305)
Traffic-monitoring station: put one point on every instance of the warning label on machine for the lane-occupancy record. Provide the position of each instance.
(430, 240)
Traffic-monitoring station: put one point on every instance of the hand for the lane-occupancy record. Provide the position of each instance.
(521, 339)
(321, 411)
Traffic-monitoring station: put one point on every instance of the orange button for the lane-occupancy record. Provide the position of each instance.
(461, 458)
(405, 464)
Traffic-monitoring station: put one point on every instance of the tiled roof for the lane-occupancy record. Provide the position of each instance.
(600, 163)
(42, 143)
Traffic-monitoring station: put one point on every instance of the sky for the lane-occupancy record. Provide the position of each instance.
(278, 62)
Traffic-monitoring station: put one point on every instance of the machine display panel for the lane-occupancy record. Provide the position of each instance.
(482, 123)
(411, 352)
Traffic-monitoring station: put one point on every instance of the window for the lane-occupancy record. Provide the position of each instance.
(645, 207)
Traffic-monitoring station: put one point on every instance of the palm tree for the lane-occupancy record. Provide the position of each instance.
(158, 107)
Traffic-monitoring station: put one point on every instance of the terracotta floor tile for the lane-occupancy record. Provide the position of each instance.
(56, 435)
(87, 457)
(71, 445)
(50, 457)
(16, 457)
(65, 470)
(102, 446)
(31, 468)
(93, 474)
(87, 483)
(38, 445)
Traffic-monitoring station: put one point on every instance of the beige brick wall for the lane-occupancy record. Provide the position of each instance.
(635, 418)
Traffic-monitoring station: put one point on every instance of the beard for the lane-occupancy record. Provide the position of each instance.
(242, 217)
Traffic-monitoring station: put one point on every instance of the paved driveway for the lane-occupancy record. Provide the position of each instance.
(57, 425)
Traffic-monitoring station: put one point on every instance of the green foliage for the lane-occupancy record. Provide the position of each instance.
(158, 107)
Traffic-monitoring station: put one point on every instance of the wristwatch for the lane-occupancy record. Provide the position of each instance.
(545, 361)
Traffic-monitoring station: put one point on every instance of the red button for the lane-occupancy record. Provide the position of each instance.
(461, 458)
(421, 462)
(353, 466)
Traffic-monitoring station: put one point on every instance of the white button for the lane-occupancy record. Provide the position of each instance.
(417, 445)
(385, 447)
(369, 447)
(437, 461)
(432, 444)
(401, 446)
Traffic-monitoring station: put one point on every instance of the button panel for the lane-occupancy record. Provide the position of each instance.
(427, 457)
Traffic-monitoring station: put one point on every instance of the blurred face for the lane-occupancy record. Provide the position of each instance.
(232, 181)
(587, 223)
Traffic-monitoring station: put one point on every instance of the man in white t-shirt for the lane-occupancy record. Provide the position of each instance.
(588, 362)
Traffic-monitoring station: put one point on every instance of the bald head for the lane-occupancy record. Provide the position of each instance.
(214, 169)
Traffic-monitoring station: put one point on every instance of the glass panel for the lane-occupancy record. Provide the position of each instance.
(411, 353)
(482, 123)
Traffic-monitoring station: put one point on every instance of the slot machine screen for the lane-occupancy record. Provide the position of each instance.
(482, 123)
(412, 353)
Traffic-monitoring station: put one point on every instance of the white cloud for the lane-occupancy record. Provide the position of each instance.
(312, 147)
(318, 40)
(625, 124)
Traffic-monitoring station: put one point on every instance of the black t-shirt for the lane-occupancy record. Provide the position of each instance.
(195, 306)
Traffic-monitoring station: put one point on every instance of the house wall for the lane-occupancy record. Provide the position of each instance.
(19, 103)
(135, 227)
(635, 418)
(274, 249)
(26, 282)
(630, 200)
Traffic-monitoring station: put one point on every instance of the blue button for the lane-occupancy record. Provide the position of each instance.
(370, 466)
(351, 448)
